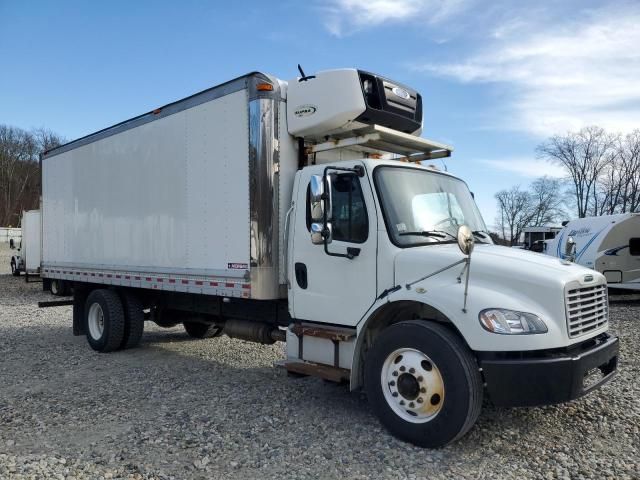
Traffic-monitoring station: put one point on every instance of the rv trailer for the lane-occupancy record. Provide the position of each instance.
(609, 244)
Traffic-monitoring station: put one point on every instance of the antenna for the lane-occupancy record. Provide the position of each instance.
(303, 77)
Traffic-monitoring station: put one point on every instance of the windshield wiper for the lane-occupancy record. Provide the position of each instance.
(482, 234)
(430, 233)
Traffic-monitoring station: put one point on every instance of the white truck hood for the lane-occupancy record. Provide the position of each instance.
(500, 277)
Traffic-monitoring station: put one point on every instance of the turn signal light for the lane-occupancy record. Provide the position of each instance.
(264, 87)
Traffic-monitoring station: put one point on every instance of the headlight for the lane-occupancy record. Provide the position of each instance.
(510, 322)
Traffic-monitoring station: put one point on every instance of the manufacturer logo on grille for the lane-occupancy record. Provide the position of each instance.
(401, 92)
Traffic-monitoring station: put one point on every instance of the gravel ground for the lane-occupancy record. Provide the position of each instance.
(180, 408)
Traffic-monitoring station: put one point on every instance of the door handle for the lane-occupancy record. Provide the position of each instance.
(301, 275)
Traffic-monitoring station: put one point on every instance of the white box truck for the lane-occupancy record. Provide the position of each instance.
(300, 212)
(28, 256)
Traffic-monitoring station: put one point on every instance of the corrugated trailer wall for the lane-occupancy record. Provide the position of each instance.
(167, 198)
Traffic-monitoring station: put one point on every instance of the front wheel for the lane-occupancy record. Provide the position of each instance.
(423, 383)
(14, 270)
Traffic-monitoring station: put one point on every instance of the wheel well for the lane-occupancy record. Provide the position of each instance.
(387, 315)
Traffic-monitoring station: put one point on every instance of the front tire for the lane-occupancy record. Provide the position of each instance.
(14, 270)
(105, 322)
(423, 383)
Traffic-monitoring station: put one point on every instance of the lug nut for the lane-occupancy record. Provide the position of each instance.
(420, 400)
(392, 383)
(395, 374)
(412, 405)
(412, 370)
(401, 402)
(394, 394)
(423, 390)
(420, 379)
(402, 368)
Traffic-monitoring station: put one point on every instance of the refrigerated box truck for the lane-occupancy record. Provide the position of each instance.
(301, 212)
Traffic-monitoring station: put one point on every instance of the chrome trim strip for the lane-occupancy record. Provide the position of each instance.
(263, 195)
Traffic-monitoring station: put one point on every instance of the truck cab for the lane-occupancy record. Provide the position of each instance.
(396, 253)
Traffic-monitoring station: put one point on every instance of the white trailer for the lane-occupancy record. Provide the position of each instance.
(29, 251)
(262, 209)
(609, 244)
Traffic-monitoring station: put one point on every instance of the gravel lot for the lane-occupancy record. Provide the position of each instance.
(180, 408)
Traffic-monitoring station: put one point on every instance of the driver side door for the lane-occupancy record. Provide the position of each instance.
(333, 289)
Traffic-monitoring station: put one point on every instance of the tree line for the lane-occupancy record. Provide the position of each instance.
(20, 184)
(602, 177)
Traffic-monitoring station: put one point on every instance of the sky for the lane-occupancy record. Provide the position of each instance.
(497, 78)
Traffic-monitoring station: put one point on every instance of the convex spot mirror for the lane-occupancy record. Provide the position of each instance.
(570, 249)
(466, 241)
(320, 233)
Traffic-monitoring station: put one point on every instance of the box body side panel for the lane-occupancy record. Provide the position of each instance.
(169, 196)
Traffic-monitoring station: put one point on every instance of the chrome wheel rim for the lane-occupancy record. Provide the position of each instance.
(96, 321)
(412, 385)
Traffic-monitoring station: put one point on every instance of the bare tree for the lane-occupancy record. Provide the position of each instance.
(585, 155)
(546, 200)
(515, 212)
(629, 165)
(20, 170)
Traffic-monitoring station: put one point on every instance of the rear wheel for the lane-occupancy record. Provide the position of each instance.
(423, 383)
(201, 330)
(134, 320)
(105, 322)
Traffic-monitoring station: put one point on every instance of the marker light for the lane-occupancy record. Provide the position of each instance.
(264, 87)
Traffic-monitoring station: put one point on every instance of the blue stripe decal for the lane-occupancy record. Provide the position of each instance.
(589, 243)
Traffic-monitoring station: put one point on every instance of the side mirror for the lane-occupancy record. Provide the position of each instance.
(570, 250)
(316, 194)
(320, 206)
(466, 241)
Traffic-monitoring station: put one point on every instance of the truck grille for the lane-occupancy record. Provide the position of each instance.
(587, 309)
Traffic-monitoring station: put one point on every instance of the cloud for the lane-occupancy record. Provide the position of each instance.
(343, 17)
(562, 75)
(526, 167)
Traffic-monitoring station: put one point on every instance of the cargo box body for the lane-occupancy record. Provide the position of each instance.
(184, 198)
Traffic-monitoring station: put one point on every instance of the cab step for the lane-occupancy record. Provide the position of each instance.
(327, 372)
(334, 334)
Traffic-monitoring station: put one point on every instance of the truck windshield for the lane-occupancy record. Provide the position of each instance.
(422, 207)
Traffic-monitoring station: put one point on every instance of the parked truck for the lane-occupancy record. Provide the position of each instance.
(28, 256)
(301, 212)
